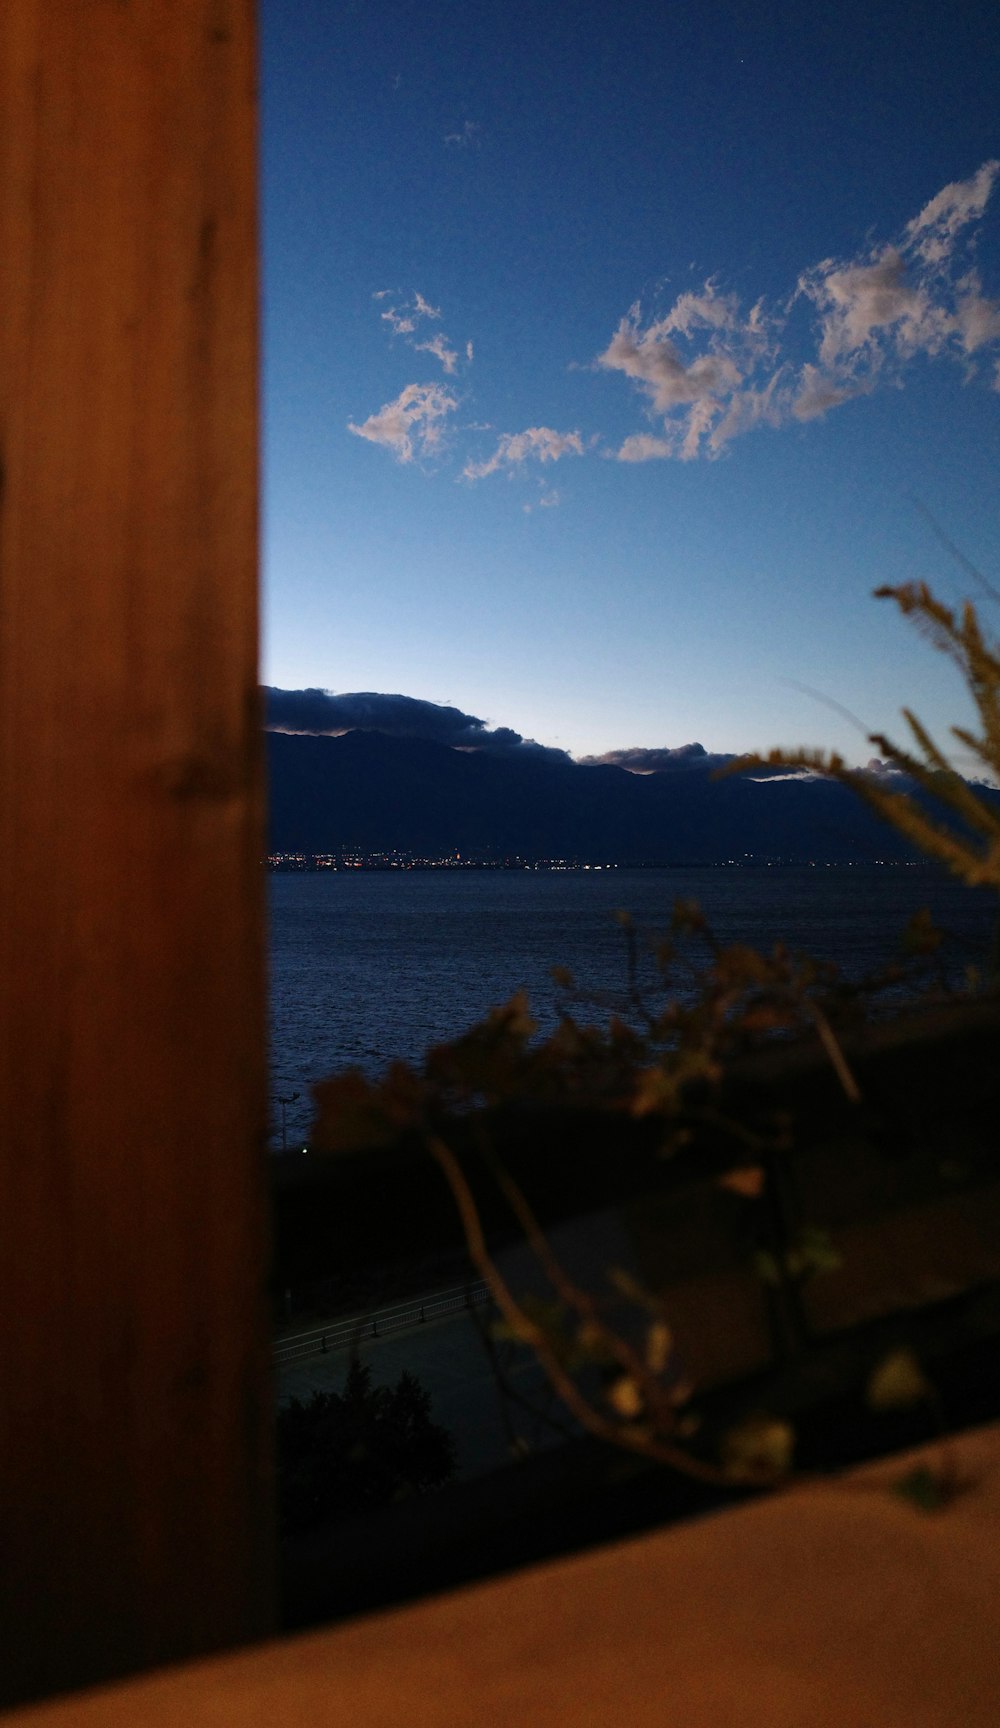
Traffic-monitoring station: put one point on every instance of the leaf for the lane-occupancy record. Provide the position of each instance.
(507, 1332)
(811, 1253)
(513, 1018)
(631, 1289)
(748, 1181)
(767, 1017)
(664, 953)
(921, 935)
(759, 1448)
(352, 1114)
(654, 1092)
(625, 1398)
(741, 965)
(924, 1488)
(488, 1061)
(818, 1252)
(898, 1382)
(658, 1090)
(659, 1343)
(687, 917)
(593, 1344)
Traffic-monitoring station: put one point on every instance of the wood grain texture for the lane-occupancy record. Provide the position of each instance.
(134, 1429)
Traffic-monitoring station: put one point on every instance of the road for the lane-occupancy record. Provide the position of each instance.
(447, 1354)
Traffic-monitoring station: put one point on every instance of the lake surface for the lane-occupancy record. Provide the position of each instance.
(367, 966)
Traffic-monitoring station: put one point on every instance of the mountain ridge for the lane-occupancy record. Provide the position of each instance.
(373, 792)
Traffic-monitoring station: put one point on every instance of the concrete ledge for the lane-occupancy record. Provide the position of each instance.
(834, 1605)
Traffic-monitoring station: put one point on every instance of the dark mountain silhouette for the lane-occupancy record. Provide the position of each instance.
(370, 792)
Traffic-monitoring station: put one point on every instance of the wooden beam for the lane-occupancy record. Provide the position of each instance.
(134, 1417)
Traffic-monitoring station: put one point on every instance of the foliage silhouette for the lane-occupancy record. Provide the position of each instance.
(609, 1353)
(344, 1453)
(972, 851)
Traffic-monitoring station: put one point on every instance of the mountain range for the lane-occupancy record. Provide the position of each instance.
(372, 792)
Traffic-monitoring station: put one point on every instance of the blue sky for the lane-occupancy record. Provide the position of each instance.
(614, 353)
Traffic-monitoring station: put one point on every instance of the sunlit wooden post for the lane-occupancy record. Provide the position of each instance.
(134, 1453)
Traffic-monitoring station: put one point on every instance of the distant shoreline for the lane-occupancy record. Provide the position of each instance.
(291, 863)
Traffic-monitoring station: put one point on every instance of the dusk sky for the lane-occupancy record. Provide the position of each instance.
(615, 353)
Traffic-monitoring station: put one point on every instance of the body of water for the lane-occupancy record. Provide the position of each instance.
(367, 966)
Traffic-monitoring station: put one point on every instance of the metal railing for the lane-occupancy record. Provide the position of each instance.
(342, 1334)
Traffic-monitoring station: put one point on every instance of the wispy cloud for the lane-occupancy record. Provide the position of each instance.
(817, 394)
(399, 323)
(859, 304)
(535, 444)
(423, 308)
(643, 447)
(466, 139)
(711, 368)
(653, 362)
(404, 317)
(548, 499)
(411, 425)
(711, 371)
(934, 231)
(438, 346)
(696, 367)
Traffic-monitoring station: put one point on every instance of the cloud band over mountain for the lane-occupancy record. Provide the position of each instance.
(323, 712)
(326, 714)
(683, 759)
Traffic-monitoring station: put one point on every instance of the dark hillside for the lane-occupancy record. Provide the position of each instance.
(371, 792)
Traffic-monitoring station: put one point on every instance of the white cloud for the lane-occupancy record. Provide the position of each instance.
(398, 323)
(423, 309)
(467, 138)
(764, 405)
(817, 394)
(411, 425)
(933, 232)
(710, 372)
(897, 305)
(549, 499)
(403, 320)
(977, 320)
(708, 311)
(860, 301)
(438, 346)
(652, 360)
(643, 447)
(693, 390)
(537, 443)
(708, 369)
(696, 427)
